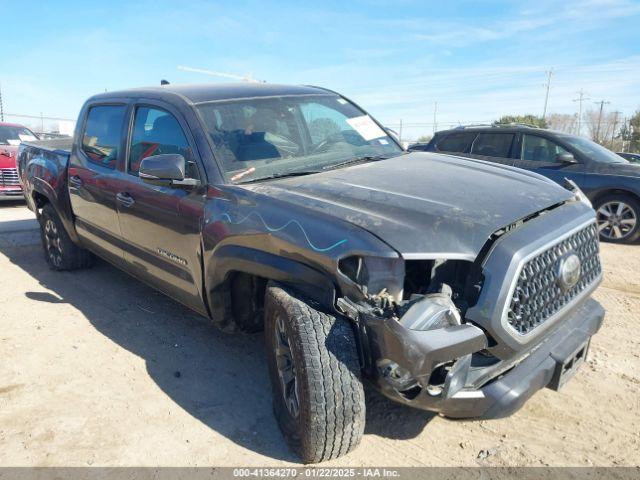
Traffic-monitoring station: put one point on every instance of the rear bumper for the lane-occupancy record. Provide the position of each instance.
(509, 390)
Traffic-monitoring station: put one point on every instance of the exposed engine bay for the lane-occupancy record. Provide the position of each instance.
(418, 296)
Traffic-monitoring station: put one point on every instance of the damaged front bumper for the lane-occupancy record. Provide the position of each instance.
(445, 369)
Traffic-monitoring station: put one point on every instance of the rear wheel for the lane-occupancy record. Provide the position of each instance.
(618, 218)
(318, 398)
(59, 251)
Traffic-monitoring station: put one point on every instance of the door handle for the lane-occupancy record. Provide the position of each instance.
(76, 181)
(125, 199)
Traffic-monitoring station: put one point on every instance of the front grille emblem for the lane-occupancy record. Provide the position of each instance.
(569, 270)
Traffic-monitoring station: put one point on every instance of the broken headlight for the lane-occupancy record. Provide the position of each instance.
(579, 194)
(374, 274)
(435, 310)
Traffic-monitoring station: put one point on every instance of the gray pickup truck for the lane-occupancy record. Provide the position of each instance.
(451, 284)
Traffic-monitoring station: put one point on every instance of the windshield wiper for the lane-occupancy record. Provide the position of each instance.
(282, 175)
(361, 159)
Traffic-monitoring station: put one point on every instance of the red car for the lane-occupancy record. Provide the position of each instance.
(11, 134)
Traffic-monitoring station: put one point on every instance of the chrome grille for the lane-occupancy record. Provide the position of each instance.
(9, 177)
(537, 294)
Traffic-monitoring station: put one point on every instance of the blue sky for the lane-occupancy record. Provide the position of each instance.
(478, 60)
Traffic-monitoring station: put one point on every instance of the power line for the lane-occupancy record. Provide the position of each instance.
(244, 78)
(580, 99)
(39, 117)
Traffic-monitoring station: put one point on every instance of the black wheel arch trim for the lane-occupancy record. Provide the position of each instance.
(312, 283)
(62, 206)
(599, 194)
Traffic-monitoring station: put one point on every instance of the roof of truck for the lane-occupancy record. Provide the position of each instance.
(216, 91)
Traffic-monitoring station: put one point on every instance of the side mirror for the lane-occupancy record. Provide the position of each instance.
(166, 169)
(566, 158)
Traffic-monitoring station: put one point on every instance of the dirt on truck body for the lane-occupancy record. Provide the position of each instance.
(451, 284)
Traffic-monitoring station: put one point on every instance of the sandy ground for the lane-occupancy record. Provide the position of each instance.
(98, 369)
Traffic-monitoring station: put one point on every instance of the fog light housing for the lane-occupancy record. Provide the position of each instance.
(398, 377)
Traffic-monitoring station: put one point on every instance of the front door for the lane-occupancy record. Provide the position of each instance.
(93, 179)
(540, 155)
(161, 225)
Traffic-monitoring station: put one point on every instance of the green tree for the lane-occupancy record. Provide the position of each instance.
(528, 119)
(634, 132)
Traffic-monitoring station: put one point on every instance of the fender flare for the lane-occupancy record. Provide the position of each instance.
(312, 283)
(61, 206)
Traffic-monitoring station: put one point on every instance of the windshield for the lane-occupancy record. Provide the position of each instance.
(592, 150)
(13, 135)
(278, 136)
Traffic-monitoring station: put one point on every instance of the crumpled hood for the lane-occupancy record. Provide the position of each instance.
(423, 204)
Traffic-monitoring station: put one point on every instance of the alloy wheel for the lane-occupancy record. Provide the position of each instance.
(616, 220)
(286, 368)
(53, 243)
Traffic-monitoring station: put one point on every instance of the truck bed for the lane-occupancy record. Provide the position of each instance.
(57, 145)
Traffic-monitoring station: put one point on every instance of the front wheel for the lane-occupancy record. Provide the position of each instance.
(318, 398)
(618, 218)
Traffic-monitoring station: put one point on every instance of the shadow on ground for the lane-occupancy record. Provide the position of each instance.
(218, 378)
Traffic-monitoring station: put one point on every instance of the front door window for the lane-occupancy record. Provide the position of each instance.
(539, 149)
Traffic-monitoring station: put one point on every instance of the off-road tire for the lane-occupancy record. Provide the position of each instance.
(59, 251)
(331, 414)
(633, 205)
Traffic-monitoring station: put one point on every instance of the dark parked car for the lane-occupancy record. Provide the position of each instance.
(632, 157)
(610, 182)
(453, 285)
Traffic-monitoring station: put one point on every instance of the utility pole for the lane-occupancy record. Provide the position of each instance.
(625, 124)
(435, 116)
(602, 104)
(615, 124)
(1, 106)
(400, 133)
(580, 99)
(546, 97)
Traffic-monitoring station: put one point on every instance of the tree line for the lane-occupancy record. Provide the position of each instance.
(609, 129)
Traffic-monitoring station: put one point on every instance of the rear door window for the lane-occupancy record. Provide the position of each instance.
(102, 134)
(456, 142)
(493, 144)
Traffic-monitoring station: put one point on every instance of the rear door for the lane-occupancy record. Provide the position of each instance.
(494, 147)
(458, 143)
(93, 178)
(540, 155)
(161, 225)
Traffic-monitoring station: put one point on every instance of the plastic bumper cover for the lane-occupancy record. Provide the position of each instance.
(420, 352)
